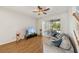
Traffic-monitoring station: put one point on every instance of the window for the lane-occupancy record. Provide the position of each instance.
(55, 25)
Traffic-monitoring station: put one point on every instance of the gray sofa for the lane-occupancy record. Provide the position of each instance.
(65, 47)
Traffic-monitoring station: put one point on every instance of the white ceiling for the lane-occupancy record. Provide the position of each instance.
(28, 10)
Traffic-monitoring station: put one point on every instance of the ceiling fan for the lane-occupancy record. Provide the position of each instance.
(40, 10)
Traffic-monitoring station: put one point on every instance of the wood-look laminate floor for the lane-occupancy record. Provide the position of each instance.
(32, 45)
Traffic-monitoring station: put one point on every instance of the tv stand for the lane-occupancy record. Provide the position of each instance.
(31, 35)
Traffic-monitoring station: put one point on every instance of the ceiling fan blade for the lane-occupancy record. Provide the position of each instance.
(35, 11)
(39, 7)
(47, 9)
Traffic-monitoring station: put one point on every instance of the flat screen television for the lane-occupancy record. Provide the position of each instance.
(31, 30)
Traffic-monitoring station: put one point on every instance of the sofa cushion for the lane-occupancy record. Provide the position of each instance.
(65, 42)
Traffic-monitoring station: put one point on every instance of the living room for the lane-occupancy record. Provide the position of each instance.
(16, 21)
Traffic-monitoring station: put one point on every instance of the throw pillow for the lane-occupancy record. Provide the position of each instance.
(57, 42)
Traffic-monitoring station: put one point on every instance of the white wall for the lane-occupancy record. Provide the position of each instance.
(11, 22)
